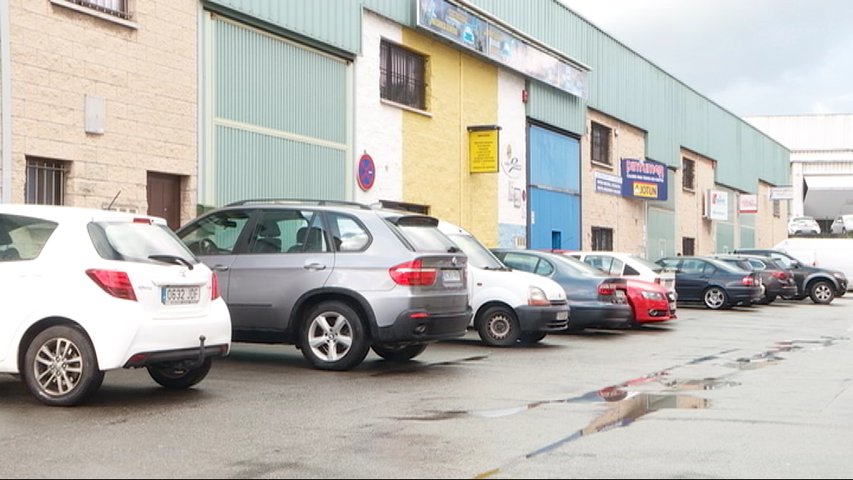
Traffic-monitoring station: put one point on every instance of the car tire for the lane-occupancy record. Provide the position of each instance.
(60, 367)
(767, 299)
(822, 292)
(498, 327)
(333, 336)
(715, 298)
(531, 338)
(398, 352)
(175, 377)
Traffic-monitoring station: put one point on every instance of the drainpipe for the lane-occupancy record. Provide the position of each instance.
(5, 107)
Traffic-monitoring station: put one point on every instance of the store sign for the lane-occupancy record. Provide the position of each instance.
(644, 179)
(483, 149)
(781, 193)
(485, 37)
(606, 183)
(747, 203)
(717, 205)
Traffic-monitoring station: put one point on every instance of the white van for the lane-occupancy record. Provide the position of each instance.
(828, 253)
(509, 306)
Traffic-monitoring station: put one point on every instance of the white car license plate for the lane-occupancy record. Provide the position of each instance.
(562, 315)
(180, 295)
(451, 276)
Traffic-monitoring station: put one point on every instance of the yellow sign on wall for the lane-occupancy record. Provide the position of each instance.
(483, 149)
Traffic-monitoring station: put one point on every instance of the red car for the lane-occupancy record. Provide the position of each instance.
(649, 302)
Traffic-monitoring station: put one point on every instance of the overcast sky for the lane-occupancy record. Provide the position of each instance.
(752, 57)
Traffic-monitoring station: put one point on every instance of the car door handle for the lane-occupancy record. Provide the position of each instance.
(314, 266)
(219, 268)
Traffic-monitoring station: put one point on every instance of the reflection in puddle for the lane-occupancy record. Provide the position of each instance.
(621, 414)
(703, 384)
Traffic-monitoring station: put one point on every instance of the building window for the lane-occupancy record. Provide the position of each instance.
(688, 246)
(115, 8)
(777, 208)
(602, 239)
(46, 181)
(600, 144)
(401, 76)
(688, 176)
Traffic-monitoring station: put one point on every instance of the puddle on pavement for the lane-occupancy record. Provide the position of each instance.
(700, 384)
(411, 367)
(622, 414)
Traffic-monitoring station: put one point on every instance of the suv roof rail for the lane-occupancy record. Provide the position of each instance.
(303, 201)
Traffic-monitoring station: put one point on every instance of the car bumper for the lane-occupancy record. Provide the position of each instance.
(599, 314)
(554, 318)
(419, 326)
(646, 310)
(745, 296)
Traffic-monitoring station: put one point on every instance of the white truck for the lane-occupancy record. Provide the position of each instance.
(510, 306)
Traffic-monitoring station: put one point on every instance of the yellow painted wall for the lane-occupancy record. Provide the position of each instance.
(462, 91)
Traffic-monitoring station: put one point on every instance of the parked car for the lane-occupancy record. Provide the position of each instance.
(803, 225)
(832, 254)
(819, 284)
(510, 306)
(630, 266)
(334, 278)
(595, 299)
(776, 280)
(842, 225)
(716, 284)
(650, 302)
(87, 291)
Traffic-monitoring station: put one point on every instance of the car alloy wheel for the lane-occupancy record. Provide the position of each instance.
(715, 298)
(498, 327)
(61, 367)
(822, 292)
(333, 337)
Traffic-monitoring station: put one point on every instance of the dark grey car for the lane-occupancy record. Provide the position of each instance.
(334, 278)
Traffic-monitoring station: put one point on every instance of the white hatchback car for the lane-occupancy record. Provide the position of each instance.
(86, 291)
(803, 225)
(842, 225)
(628, 265)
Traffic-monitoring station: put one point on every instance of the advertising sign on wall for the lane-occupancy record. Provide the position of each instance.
(718, 205)
(479, 34)
(781, 193)
(644, 179)
(483, 149)
(747, 203)
(606, 183)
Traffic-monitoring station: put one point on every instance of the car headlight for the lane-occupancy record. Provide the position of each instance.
(536, 296)
(652, 295)
(839, 275)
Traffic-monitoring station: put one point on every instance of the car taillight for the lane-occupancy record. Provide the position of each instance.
(412, 274)
(214, 286)
(747, 280)
(142, 220)
(113, 282)
(779, 275)
(606, 289)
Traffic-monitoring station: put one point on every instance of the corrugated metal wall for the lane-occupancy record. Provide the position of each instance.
(279, 124)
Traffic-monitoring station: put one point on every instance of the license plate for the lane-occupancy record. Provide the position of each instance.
(180, 295)
(562, 315)
(451, 276)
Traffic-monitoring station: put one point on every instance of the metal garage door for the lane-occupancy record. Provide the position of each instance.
(554, 189)
(276, 122)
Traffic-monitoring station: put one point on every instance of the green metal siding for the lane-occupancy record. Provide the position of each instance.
(661, 233)
(725, 237)
(549, 105)
(747, 237)
(279, 125)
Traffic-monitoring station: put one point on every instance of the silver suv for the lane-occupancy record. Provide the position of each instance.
(334, 278)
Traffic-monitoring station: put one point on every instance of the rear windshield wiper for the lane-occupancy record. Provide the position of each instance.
(172, 259)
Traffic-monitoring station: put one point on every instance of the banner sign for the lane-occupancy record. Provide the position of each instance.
(781, 193)
(606, 183)
(718, 205)
(479, 34)
(747, 203)
(644, 179)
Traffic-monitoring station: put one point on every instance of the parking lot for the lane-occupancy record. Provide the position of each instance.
(756, 392)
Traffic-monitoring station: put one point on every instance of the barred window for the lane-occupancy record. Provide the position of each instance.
(688, 175)
(401, 76)
(118, 8)
(602, 239)
(46, 181)
(600, 144)
(688, 246)
(777, 208)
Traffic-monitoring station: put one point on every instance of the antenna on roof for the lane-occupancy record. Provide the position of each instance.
(110, 206)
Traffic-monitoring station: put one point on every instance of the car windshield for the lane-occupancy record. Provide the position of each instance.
(580, 267)
(642, 261)
(478, 255)
(137, 241)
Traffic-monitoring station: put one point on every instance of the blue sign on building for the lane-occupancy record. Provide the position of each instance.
(644, 179)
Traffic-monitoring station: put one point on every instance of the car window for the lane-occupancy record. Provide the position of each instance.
(214, 234)
(544, 268)
(708, 268)
(136, 241)
(348, 234)
(519, 261)
(616, 267)
(757, 264)
(642, 261)
(692, 266)
(671, 263)
(23, 238)
(422, 234)
(600, 262)
(288, 231)
(629, 270)
(478, 255)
